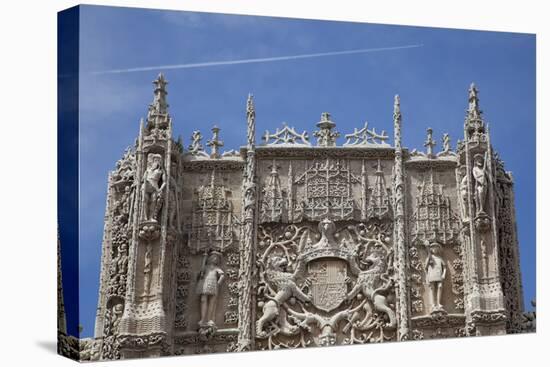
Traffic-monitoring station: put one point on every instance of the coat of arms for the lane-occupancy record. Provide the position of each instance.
(328, 283)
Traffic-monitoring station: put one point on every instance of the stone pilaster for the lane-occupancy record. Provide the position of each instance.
(403, 313)
(105, 262)
(129, 307)
(248, 236)
(143, 329)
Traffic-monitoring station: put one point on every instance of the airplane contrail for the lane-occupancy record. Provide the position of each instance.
(251, 61)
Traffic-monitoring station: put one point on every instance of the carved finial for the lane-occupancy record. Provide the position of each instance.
(215, 143)
(473, 124)
(446, 143)
(396, 107)
(250, 121)
(159, 104)
(213, 179)
(429, 143)
(325, 136)
(158, 119)
(274, 168)
(397, 121)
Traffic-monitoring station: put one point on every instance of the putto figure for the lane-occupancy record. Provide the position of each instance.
(153, 185)
(210, 278)
(436, 270)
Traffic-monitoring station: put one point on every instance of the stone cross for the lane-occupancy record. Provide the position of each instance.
(215, 143)
(430, 143)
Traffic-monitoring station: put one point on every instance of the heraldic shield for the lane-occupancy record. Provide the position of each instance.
(328, 283)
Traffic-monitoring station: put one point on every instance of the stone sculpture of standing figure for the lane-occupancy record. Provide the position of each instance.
(480, 179)
(153, 185)
(118, 309)
(210, 278)
(464, 193)
(147, 269)
(436, 270)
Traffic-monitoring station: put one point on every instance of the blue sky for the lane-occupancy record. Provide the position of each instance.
(432, 81)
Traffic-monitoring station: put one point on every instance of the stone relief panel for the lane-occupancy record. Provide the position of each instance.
(207, 291)
(211, 201)
(297, 190)
(436, 258)
(113, 315)
(122, 191)
(183, 278)
(324, 189)
(273, 201)
(122, 195)
(324, 283)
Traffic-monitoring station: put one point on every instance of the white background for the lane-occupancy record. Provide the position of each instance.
(28, 180)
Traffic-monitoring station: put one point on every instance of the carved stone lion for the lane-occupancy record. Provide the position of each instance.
(284, 284)
(374, 285)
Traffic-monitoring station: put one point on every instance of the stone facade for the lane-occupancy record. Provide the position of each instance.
(294, 243)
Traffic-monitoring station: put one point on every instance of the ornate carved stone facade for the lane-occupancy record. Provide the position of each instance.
(290, 244)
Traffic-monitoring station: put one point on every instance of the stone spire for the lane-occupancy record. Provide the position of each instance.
(157, 116)
(379, 204)
(326, 137)
(247, 246)
(250, 122)
(399, 226)
(159, 104)
(397, 122)
(473, 123)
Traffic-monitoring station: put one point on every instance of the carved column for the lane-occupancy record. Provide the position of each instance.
(485, 312)
(399, 229)
(364, 191)
(248, 236)
(105, 262)
(509, 250)
(129, 307)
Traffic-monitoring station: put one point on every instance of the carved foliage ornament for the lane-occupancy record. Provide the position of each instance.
(366, 138)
